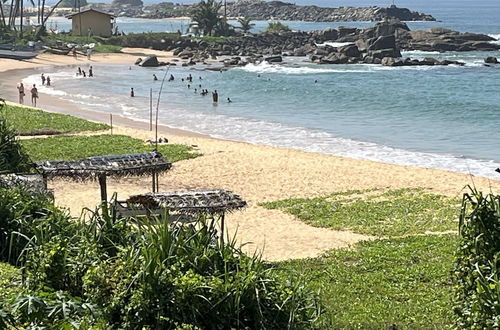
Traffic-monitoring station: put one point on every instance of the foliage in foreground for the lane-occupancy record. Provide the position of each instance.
(401, 283)
(382, 213)
(477, 277)
(27, 121)
(79, 147)
(12, 157)
(103, 270)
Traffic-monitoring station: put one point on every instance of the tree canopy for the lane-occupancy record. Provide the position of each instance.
(206, 14)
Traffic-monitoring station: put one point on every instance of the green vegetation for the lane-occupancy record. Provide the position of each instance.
(402, 283)
(477, 268)
(28, 121)
(72, 3)
(107, 271)
(390, 213)
(79, 147)
(12, 157)
(277, 27)
(245, 24)
(206, 14)
(10, 280)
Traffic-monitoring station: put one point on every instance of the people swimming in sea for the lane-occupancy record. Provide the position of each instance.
(229, 100)
(171, 78)
(190, 78)
(48, 81)
(84, 74)
(34, 95)
(132, 94)
(155, 78)
(79, 71)
(43, 79)
(189, 86)
(195, 90)
(20, 88)
(215, 96)
(91, 72)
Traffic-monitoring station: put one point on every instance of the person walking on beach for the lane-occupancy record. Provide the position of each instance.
(20, 88)
(43, 79)
(215, 96)
(34, 95)
(48, 81)
(91, 72)
(132, 94)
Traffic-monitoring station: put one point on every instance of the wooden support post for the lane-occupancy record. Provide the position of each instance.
(111, 122)
(102, 184)
(153, 189)
(222, 229)
(150, 109)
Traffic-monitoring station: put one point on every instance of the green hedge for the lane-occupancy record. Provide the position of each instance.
(477, 280)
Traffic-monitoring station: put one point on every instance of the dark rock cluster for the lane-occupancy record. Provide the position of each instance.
(278, 10)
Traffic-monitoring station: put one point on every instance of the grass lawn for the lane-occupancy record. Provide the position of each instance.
(28, 121)
(403, 282)
(79, 147)
(376, 212)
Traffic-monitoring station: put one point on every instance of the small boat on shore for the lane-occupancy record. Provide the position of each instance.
(18, 55)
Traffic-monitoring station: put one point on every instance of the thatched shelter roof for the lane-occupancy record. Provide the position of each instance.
(199, 201)
(33, 183)
(112, 165)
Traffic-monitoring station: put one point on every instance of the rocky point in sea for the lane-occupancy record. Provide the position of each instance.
(379, 44)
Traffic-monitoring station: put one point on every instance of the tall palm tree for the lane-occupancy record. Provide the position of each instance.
(245, 24)
(206, 14)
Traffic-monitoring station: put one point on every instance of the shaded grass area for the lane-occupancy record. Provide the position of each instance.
(383, 213)
(28, 121)
(79, 147)
(10, 281)
(402, 282)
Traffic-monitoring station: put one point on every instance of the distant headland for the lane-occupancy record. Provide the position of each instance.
(262, 10)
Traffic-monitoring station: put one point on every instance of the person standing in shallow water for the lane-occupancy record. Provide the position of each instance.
(215, 96)
(48, 81)
(34, 95)
(91, 72)
(20, 88)
(43, 79)
(155, 78)
(132, 94)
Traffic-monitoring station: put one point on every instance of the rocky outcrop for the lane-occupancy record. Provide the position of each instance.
(278, 10)
(491, 60)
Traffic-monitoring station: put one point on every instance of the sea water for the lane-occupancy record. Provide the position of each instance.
(438, 117)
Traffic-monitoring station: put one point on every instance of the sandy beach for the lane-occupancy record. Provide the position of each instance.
(258, 173)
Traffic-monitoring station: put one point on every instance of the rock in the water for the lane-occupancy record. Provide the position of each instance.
(491, 60)
(382, 42)
(150, 61)
(274, 59)
(350, 51)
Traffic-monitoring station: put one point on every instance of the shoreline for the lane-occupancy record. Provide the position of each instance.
(258, 173)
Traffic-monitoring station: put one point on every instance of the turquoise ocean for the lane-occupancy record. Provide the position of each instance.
(437, 117)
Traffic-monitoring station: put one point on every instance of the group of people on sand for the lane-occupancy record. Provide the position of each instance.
(81, 72)
(34, 94)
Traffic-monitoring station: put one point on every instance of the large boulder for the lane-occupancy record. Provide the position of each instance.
(491, 60)
(350, 51)
(382, 42)
(150, 61)
(274, 59)
(381, 53)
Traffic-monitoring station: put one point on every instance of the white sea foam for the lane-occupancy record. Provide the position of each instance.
(334, 44)
(281, 135)
(265, 67)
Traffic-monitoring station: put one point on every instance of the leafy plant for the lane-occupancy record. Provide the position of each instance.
(13, 159)
(206, 14)
(245, 24)
(476, 274)
(277, 27)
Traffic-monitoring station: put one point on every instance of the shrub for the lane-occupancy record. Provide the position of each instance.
(21, 215)
(13, 159)
(477, 285)
(276, 27)
(183, 275)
